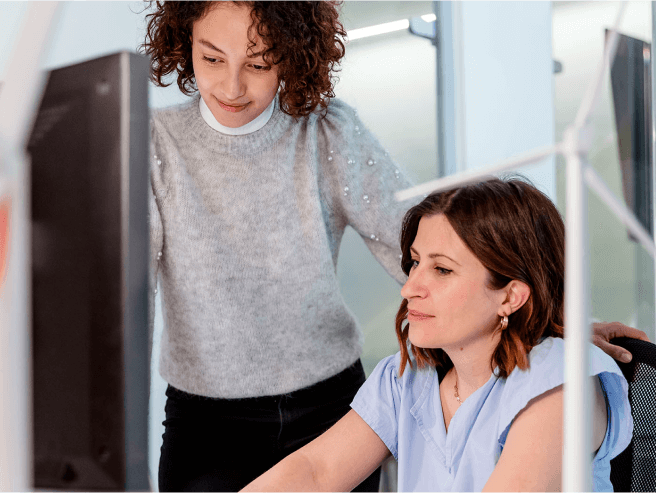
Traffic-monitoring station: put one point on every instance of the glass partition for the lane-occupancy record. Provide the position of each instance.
(390, 80)
(622, 273)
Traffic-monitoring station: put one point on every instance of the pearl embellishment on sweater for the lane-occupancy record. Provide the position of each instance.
(346, 189)
(330, 158)
(371, 162)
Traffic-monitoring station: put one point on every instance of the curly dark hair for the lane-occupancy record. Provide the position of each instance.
(302, 38)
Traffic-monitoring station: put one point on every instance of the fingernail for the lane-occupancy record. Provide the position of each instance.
(626, 357)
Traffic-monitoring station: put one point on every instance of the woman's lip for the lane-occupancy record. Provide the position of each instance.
(232, 108)
(415, 315)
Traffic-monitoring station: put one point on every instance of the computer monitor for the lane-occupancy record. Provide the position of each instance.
(630, 77)
(89, 199)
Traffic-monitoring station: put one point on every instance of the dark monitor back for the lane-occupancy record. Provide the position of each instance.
(631, 86)
(89, 155)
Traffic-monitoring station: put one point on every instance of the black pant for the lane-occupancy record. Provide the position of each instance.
(223, 444)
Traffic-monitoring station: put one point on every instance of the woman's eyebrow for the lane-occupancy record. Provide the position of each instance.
(211, 46)
(434, 255)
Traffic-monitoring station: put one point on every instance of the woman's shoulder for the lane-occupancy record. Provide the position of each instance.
(546, 372)
(178, 116)
(338, 115)
(389, 369)
(548, 357)
(340, 108)
(387, 387)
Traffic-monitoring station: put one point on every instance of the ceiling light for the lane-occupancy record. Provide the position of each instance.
(388, 27)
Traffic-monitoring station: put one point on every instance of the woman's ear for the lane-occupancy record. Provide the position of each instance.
(517, 293)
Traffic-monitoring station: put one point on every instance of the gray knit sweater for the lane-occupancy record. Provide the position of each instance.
(245, 232)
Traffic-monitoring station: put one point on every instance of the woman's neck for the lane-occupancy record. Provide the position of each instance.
(471, 364)
(257, 123)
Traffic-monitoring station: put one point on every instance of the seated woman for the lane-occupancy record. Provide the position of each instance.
(474, 399)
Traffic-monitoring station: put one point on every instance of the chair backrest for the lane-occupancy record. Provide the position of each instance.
(635, 468)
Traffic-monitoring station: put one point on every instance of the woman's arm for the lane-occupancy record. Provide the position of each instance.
(532, 456)
(338, 460)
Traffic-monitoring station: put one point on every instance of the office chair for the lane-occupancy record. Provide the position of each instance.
(635, 468)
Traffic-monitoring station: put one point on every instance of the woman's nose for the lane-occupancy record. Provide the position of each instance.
(233, 85)
(414, 286)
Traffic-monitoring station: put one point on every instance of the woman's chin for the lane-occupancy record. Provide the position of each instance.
(421, 338)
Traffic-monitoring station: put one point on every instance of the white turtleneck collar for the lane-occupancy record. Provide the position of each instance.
(248, 128)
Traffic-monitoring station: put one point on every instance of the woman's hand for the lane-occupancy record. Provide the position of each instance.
(603, 332)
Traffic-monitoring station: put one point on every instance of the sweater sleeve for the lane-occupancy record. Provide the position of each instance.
(363, 179)
(156, 235)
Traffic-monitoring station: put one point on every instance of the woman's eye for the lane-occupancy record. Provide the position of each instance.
(442, 271)
(414, 263)
(260, 67)
(211, 60)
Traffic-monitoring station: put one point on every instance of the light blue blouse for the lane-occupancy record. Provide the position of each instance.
(406, 413)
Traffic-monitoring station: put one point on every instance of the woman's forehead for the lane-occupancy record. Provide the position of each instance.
(228, 24)
(435, 225)
(435, 235)
(435, 232)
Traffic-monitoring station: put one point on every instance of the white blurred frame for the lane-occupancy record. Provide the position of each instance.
(19, 100)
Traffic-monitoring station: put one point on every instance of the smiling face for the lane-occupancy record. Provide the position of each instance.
(235, 86)
(449, 303)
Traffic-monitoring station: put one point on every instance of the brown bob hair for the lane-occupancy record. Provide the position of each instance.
(302, 38)
(517, 233)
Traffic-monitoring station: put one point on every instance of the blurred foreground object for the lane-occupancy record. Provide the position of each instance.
(5, 213)
(89, 196)
(19, 98)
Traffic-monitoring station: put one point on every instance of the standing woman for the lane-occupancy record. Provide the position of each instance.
(253, 183)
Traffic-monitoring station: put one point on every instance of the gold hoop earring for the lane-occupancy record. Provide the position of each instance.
(504, 322)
